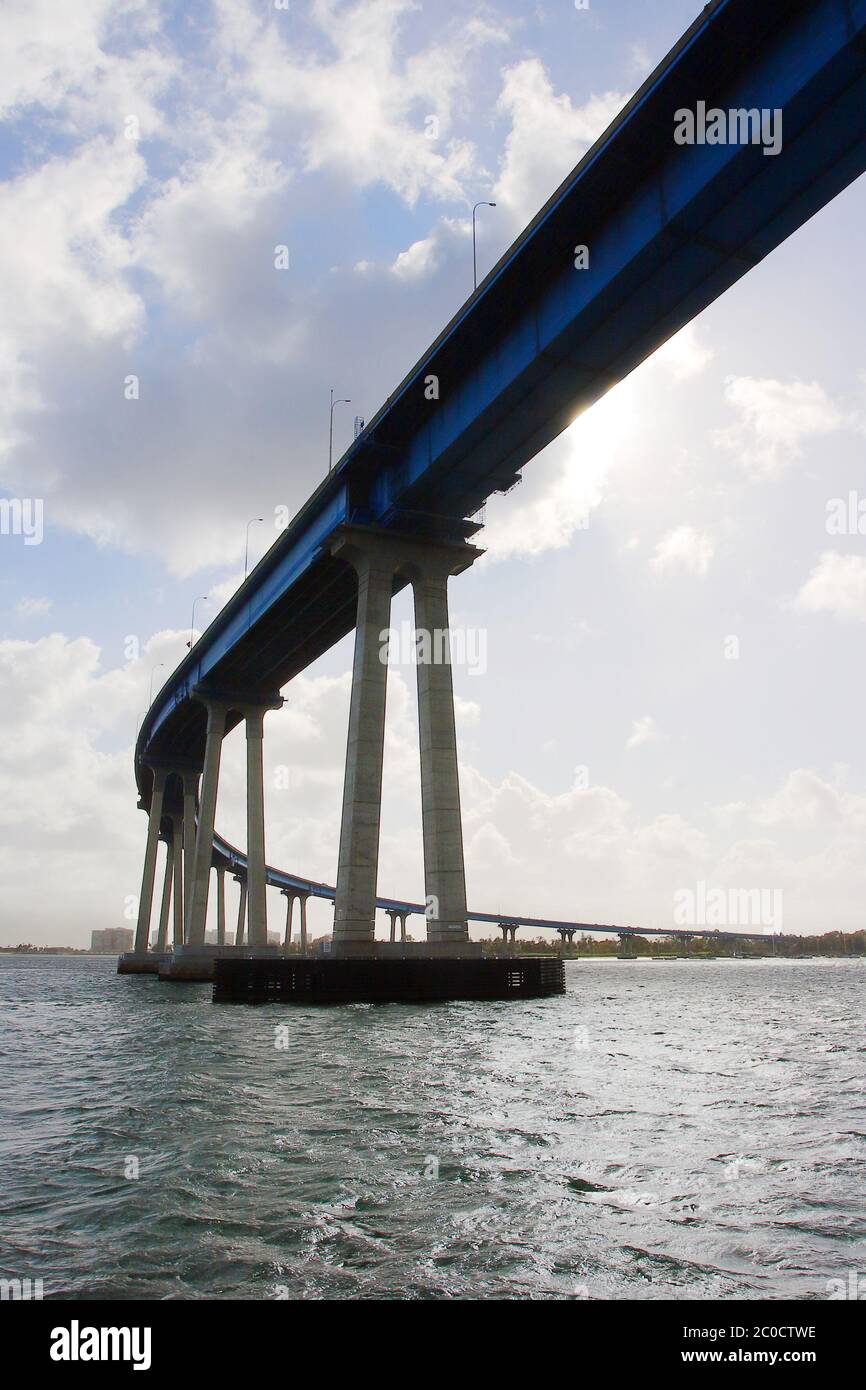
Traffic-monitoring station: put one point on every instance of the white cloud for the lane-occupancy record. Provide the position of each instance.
(33, 607)
(684, 354)
(548, 136)
(378, 133)
(643, 731)
(836, 585)
(775, 418)
(684, 548)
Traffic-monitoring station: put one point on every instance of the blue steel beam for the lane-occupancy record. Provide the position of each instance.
(669, 228)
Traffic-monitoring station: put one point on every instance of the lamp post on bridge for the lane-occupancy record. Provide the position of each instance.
(474, 241)
(251, 522)
(201, 599)
(334, 404)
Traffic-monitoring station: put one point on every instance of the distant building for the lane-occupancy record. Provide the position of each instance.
(111, 941)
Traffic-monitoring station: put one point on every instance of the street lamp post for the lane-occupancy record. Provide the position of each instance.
(334, 404)
(474, 251)
(159, 666)
(250, 523)
(201, 599)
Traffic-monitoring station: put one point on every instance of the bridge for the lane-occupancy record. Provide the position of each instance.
(657, 220)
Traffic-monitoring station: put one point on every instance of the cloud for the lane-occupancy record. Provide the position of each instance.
(33, 607)
(837, 585)
(684, 354)
(380, 135)
(775, 419)
(684, 549)
(643, 731)
(548, 136)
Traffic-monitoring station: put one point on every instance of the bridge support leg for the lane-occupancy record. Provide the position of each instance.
(190, 781)
(145, 901)
(393, 917)
(355, 907)
(177, 890)
(242, 912)
(256, 879)
(444, 872)
(289, 896)
(303, 899)
(217, 713)
(162, 934)
(221, 905)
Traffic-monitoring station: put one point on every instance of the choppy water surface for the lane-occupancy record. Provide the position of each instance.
(684, 1130)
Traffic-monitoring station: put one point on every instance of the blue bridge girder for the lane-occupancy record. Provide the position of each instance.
(669, 228)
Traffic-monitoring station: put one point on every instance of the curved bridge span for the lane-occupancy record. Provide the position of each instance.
(753, 122)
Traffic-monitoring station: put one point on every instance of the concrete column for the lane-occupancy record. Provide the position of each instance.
(289, 896)
(177, 837)
(190, 781)
(242, 912)
(444, 874)
(403, 916)
(303, 898)
(256, 878)
(393, 916)
(145, 901)
(217, 713)
(162, 934)
(513, 931)
(221, 905)
(355, 914)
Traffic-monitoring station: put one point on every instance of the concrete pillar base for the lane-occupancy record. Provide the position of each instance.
(134, 963)
(195, 964)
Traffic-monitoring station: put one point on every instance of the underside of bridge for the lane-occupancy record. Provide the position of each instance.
(667, 226)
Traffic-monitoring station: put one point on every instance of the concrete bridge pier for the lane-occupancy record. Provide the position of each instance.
(145, 900)
(197, 889)
(627, 946)
(303, 899)
(242, 910)
(254, 716)
(392, 915)
(355, 904)
(190, 778)
(378, 557)
(289, 895)
(162, 933)
(221, 904)
(293, 895)
(444, 870)
(177, 890)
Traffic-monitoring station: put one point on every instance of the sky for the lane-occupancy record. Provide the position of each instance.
(672, 603)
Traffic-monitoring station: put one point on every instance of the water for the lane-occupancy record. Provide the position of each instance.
(685, 1130)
